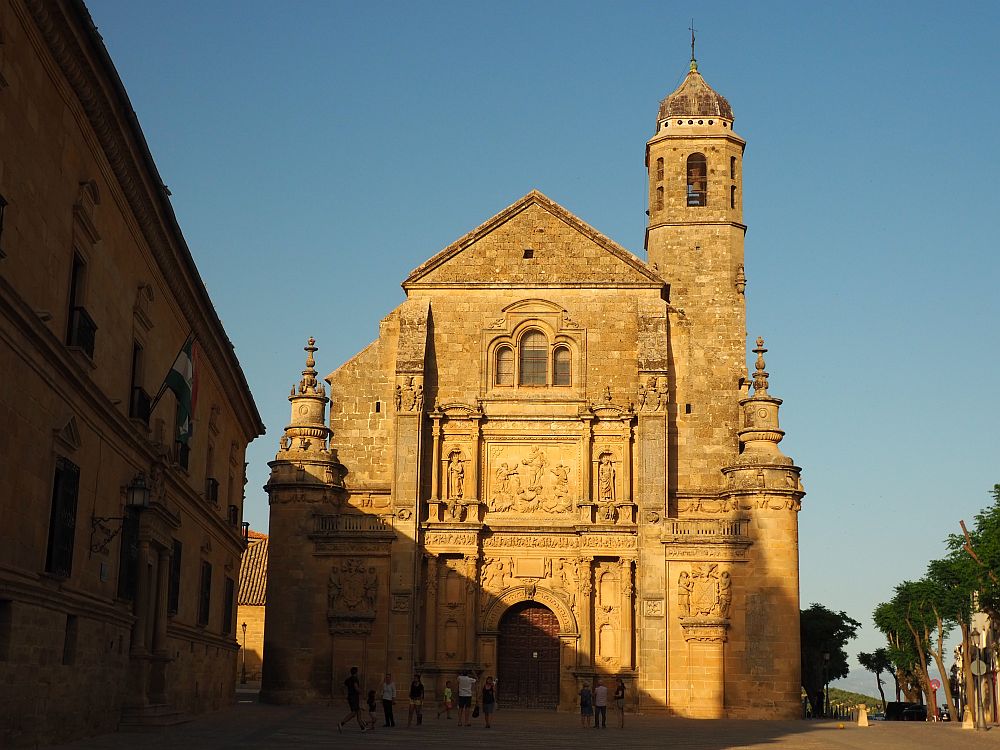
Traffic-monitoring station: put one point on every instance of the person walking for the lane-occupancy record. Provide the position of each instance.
(466, 684)
(388, 696)
(447, 701)
(586, 705)
(371, 709)
(620, 702)
(489, 700)
(416, 701)
(353, 686)
(600, 705)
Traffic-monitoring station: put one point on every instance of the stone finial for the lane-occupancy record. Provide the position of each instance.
(308, 384)
(741, 280)
(760, 375)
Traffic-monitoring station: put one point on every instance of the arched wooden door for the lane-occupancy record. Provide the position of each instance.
(528, 657)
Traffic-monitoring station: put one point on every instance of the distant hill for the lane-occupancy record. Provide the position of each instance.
(852, 699)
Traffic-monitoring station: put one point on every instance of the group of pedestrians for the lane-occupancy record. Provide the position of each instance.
(594, 704)
(466, 693)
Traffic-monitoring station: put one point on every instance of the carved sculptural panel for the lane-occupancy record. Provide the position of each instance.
(705, 591)
(531, 479)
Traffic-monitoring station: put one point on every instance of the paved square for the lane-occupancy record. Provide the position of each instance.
(255, 725)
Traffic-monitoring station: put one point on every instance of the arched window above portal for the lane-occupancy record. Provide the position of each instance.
(534, 358)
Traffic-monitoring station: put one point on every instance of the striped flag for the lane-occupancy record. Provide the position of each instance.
(181, 379)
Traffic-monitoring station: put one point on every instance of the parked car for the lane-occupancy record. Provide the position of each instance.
(899, 711)
(915, 712)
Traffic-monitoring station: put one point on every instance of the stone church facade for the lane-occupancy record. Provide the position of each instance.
(553, 465)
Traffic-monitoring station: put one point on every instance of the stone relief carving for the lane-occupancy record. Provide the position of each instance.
(351, 594)
(437, 539)
(653, 608)
(409, 394)
(531, 479)
(497, 573)
(704, 592)
(653, 395)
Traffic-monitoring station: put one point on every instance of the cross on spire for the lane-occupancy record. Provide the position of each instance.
(694, 62)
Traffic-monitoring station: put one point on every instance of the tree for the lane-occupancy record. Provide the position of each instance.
(951, 582)
(877, 662)
(824, 632)
(891, 621)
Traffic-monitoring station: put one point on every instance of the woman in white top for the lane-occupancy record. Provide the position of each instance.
(388, 696)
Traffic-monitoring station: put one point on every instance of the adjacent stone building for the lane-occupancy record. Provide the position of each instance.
(549, 465)
(250, 609)
(121, 545)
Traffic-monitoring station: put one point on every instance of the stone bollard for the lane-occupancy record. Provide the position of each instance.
(862, 715)
(967, 722)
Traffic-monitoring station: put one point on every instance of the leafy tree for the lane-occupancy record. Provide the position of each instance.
(824, 631)
(951, 583)
(980, 549)
(877, 662)
(890, 619)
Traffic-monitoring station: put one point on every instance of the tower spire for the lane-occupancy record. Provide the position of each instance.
(694, 62)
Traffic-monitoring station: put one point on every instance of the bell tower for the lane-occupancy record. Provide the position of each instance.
(695, 240)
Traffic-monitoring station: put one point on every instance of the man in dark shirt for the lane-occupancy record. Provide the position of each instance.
(353, 685)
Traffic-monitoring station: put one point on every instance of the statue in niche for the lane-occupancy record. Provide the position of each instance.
(456, 477)
(606, 479)
(419, 397)
(642, 397)
(397, 397)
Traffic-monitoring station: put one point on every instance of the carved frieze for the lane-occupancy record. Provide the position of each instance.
(450, 539)
(652, 608)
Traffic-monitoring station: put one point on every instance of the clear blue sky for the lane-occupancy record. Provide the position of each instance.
(317, 152)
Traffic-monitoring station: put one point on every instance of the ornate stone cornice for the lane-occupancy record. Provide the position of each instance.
(77, 48)
(704, 630)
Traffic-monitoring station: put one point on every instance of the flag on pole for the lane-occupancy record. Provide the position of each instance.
(181, 379)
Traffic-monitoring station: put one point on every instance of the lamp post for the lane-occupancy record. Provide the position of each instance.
(826, 683)
(243, 670)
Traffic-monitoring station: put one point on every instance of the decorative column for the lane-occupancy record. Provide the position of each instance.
(435, 504)
(140, 645)
(586, 500)
(160, 612)
(471, 605)
(472, 478)
(431, 609)
(628, 613)
(585, 657)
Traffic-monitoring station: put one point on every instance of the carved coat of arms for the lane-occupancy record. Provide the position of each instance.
(705, 592)
(352, 591)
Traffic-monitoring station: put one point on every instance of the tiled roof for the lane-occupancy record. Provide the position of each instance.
(253, 572)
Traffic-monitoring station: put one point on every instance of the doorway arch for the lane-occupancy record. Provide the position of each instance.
(528, 657)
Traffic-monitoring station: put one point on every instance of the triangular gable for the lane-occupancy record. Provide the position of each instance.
(563, 250)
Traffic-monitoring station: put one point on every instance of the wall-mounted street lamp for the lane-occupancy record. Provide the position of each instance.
(106, 528)
(246, 531)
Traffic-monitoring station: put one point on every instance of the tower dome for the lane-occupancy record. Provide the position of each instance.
(695, 98)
